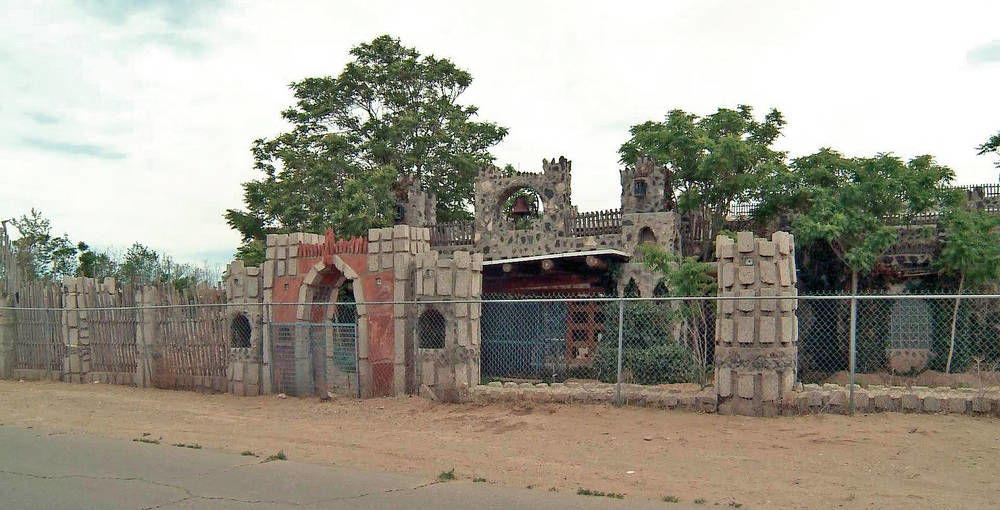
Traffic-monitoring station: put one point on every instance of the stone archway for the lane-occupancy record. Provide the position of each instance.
(317, 338)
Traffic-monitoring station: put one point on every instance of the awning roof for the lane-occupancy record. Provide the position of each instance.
(570, 254)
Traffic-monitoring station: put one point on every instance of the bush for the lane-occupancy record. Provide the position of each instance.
(649, 352)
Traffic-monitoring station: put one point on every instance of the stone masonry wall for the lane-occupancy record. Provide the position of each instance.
(756, 339)
(448, 373)
(244, 295)
(495, 236)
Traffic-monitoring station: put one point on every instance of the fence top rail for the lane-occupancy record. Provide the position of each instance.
(607, 299)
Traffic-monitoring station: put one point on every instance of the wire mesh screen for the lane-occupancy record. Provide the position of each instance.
(314, 358)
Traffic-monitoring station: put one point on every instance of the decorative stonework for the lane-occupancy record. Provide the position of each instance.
(756, 339)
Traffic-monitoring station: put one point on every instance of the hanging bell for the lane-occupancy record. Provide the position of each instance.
(521, 208)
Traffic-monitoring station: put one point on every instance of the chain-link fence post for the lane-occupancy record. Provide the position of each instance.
(618, 379)
(853, 348)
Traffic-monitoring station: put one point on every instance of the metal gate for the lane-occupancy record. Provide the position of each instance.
(309, 358)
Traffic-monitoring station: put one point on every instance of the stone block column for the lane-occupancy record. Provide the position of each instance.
(146, 335)
(755, 339)
(6, 339)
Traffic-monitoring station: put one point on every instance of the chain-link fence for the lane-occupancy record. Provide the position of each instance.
(377, 349)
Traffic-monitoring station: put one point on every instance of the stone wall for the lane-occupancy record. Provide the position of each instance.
(756, 339)
(448, 371)
(496, 237)
(654, 180)
(244, 295)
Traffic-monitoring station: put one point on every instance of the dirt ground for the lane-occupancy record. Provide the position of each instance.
(875, 461)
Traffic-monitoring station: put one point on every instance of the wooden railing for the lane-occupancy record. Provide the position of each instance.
(744, 209)
(596, 223)
(456, 233)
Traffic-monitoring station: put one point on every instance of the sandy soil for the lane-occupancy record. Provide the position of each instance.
(875, 461)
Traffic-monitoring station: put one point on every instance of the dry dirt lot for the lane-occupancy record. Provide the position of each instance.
(874, 461)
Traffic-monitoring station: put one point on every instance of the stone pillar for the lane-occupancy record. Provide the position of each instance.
(145, 335)
(449, 372)
(77, 294)
(6, 338)
(755, 339)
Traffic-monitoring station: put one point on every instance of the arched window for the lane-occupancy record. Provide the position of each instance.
(631, 289)
(430, 330)
(646, 235)
(240, 332)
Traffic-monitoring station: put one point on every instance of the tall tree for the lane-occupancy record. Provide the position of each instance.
(714, 160)
(856, 205)
(391, 116)
(42, 255)
(971, 250)
(95, 264)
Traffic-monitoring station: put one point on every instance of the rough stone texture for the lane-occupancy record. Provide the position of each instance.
(833, 399)
(594, 392)
(449, 372)
(247, 365)
(756, 341)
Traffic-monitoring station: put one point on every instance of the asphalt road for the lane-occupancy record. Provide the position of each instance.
(41, 470)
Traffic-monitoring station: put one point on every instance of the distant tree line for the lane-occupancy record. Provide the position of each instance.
(44, 256)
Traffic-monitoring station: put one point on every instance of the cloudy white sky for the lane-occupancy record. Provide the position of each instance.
(132, 121)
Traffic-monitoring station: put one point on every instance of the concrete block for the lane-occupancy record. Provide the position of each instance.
(765, 248)
(910, 402)
(784, 273)
(746, 275)
(932, 404)
(724, 381)
(747, 305)
(744, 385)
(724, 247)
(958, 405)
(728, 274)
(768, 272)
(766, 331)
(745, 242)
(462, 283)
(744, 329)
(770, 386)
(444, 281)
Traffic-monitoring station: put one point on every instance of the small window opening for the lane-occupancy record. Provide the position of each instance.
(240, 332)
(431, 330)
(639, 188)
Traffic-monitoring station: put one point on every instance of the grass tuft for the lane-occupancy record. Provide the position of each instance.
(588, 492)
(278, 456)
(671, 499)
(447, 475)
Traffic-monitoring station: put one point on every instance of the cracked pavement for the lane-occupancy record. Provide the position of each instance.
(47, 470)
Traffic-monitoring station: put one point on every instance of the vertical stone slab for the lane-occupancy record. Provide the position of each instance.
(757, 368)
(6, 339)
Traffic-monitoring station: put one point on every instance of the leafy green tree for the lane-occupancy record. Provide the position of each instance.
(94, 264)
(991, 146)
(43, 255)
(391, 117)
(714, 161)
(971, 250)
(686, 277)
(856, 205)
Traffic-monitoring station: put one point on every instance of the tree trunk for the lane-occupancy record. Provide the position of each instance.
(954, 321)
